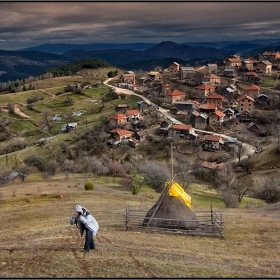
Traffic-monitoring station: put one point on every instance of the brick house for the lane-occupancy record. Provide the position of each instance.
(264, 66)
(251, 76)
(244, 116)
(118, 120)
(245, 102)
(271, 56)
(174, 96)
(165, 87)
(251, 91)
(204, 90)
(174, 67)
(215, 98)
(127, 77)
(211, 79)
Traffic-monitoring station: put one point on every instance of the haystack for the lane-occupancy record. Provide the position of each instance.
(171, 212)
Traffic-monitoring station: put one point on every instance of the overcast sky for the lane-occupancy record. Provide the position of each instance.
(33, 23)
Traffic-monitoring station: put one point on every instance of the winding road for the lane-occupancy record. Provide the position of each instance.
(250, 150)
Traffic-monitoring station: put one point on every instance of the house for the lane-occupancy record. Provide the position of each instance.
(245, 102)
(216, 118)
(174, 67)
(253, 127)
(182, 130)
(247, 65)
(142, 105)
(211, 68)
(199, 120)
(251, 77)
(132, 114)
(244, 116)
(121, 134)
(132, 87)
(230, 72)
(174, 96)
(165, 87)
(264, 67)
(215, 98)
(154, 75)
(127, 77)
(141, 135)
(165, 125)
(211, 79)
(262, 99)
(251, 91)
(207, 108)
(233, 62)
(229, 113)
(118, 120)
(184, 71)
(204, 90)
(212, 142)
(186, 106)
(121, 107)
(145, 81)
(207, 166)
(271, 56)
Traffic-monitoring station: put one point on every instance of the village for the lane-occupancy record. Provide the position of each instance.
(216, 107)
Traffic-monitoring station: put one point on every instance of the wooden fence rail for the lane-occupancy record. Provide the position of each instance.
(209, 223)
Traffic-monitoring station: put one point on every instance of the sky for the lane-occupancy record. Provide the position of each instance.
(27, 24)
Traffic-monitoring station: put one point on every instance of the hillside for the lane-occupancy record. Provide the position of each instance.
(40, 242)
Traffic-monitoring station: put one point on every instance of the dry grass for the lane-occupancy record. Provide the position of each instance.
(38, 241)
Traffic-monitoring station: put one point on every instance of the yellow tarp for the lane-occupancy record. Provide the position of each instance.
(176, 190)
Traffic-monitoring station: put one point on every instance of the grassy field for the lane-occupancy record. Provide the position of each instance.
(38, 241)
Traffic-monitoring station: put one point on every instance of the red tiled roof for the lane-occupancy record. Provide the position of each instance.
(252, 87)
(132, 112)
(175, 92)
(212, 76)
(181, 127)
(219, 114)
(214, 96)
(208, 106)
(245, 97)
(212, 165)
(115, 130)
(118, 116)
(124, 132)
(234, 59)
(213, 138)
(251, 74)
(205, 86)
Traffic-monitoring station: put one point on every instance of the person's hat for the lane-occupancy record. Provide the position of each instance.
(78, 208)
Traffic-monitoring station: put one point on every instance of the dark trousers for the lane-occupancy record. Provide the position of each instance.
(89, 242)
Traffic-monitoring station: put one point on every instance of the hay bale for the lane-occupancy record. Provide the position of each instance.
(171, 208)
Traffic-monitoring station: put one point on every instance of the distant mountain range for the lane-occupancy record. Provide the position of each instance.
(33, 61)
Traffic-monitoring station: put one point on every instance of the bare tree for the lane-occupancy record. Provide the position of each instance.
(155, 174)
(47, 118)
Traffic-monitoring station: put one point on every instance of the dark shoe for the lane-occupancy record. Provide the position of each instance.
(92, 248)
(85, 251)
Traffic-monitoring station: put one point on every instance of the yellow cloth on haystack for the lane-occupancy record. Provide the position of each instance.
(176, 190)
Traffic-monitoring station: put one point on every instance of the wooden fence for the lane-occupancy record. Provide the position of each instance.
(209, 223)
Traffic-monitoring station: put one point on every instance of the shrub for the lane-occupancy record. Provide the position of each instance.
(89, 185)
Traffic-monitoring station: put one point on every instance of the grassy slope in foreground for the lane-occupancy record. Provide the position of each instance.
(38, 241)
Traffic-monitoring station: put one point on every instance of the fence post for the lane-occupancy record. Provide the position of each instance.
(127, 217)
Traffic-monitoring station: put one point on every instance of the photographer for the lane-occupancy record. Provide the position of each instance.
(85, 222)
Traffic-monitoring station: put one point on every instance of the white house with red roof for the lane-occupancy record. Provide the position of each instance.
(211, 79)
(132, 114)
(204, 90)
(212, 142)
(182, 130)
(233, 62)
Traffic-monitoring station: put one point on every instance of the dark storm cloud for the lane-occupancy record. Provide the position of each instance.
(32, 23)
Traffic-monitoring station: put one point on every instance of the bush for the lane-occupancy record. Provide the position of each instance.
(89, 185)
